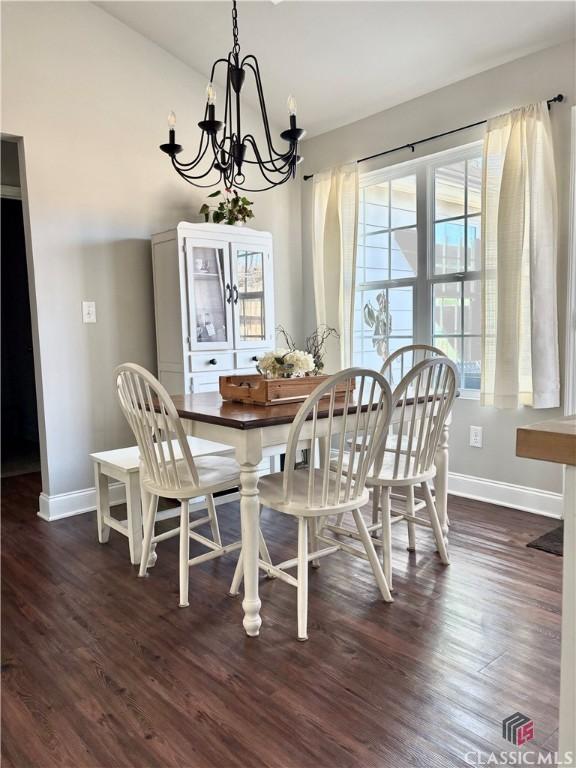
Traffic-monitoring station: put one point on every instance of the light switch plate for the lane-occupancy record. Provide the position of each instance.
(89, 311)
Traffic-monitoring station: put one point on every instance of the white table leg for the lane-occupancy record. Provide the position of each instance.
(567, 733)
(250, 517)
(441, 479)
(134, 517)
(102, 503)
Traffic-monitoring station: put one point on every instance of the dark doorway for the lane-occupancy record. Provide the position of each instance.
(20, 453)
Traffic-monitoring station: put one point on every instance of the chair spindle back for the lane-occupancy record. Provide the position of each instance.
(149, 410)
(424, 397)
(399, 363)
(359, 419)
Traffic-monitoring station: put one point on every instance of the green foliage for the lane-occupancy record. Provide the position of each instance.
(232, 209)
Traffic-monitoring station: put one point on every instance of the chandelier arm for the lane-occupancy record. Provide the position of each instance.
(263, 168)
(220, 152)
(264, 189)
(222, 149)
(195, 183)
(194, 179)
(256, 70)
(287, 157)
(199, 156)
(227, 100)
(184, 170)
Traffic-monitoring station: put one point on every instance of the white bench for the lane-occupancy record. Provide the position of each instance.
(123, 465)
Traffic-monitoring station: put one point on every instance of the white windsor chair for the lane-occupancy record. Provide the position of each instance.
(324, 487)
(425, 397)
(169, 470)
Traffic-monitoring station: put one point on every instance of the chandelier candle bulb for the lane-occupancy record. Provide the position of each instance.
(291, 105)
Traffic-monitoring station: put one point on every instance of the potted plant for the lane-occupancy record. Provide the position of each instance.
(233, 209)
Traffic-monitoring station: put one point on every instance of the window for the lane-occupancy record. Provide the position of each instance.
(418, 260)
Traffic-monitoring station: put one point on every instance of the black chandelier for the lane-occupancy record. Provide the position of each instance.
(232, 151)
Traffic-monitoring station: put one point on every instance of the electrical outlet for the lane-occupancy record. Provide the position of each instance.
(476, 437)
(88, 311)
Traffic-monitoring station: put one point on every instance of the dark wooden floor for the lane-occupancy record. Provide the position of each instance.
(102, 669)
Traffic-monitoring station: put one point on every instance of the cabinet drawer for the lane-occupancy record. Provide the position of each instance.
(212, 361)
(247, 358)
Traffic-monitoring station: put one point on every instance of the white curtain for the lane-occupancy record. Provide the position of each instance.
(519, 231)
(335, 228)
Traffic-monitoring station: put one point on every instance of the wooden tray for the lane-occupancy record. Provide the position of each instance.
(256, 389)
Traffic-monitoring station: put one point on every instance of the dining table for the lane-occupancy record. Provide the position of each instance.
(256, 432)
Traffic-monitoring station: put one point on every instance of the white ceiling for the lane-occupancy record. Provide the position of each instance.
(346, 60)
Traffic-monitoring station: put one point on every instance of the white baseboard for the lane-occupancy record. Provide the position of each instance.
(520, 497)
(60, 505)
(533, 500)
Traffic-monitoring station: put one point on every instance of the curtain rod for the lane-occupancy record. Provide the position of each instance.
(413, 144)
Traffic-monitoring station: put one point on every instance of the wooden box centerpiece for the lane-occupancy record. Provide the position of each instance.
(256, 389)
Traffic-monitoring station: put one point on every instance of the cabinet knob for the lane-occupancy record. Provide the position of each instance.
(255, 359)
(213, 361)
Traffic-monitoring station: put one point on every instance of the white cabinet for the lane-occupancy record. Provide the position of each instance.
(214, 303)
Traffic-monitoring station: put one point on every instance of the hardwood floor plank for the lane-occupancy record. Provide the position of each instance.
(101, 669)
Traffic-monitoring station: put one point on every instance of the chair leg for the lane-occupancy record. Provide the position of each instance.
(134, 517)
(184, 552)
(213, 520)
(237, 578)
(264, 554)
(302, 578)
(239, 572)
(148, 532)
(386, 536)
(376, 493)
(410, 511)
(102, 503)
(372, 556)
(436, 526)
(313, 532)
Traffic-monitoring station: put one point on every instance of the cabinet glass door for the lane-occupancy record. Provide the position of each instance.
(251, 295)
(209, 296)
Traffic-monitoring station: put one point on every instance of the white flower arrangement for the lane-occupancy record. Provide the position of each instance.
(283, 363)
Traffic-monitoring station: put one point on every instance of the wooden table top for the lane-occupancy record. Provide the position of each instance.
(553, 440)
(210, 408)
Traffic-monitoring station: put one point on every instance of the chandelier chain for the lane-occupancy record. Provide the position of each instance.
(236, 47)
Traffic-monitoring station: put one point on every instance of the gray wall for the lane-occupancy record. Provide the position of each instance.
(533, 78)
(90, 98)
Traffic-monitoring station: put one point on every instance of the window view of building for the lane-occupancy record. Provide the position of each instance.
(418, 261)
